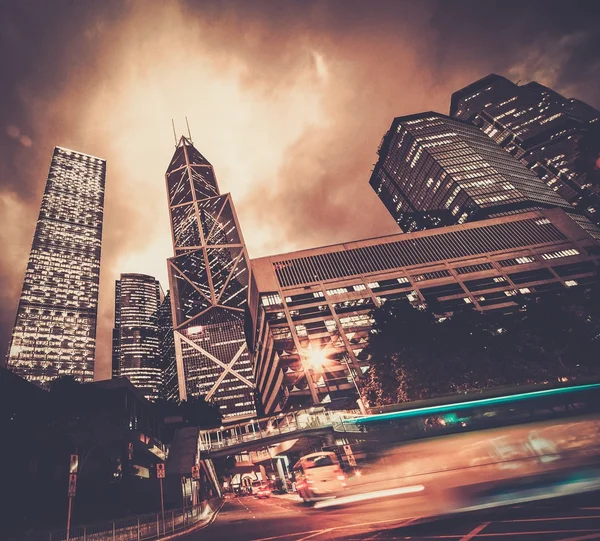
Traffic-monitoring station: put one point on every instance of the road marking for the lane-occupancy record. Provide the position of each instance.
(549, 518)
(582, 537)
(596, 535)
(315, 534)
(285, 535)
(474, 531)
(380, 532)
(535, 533)
(406, 521)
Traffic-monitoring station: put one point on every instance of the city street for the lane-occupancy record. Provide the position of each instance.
(284, 518)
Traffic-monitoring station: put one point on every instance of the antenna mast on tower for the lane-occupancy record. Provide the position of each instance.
(189, 132)
(174, 133)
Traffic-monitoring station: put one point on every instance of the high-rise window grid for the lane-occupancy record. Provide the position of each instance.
(55, 327)
(209, 277)
(136, 342)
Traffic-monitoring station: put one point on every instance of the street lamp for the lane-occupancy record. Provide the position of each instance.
(360, 402)
(317, 359)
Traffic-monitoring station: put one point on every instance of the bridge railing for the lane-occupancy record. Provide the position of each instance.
(267, 428)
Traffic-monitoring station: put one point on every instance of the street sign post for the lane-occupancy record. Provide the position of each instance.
(73, 467)
(160, 473)
(72, 484)
(196, 484)
(349, 455)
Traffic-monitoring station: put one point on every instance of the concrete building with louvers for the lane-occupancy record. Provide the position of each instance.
(319, 301)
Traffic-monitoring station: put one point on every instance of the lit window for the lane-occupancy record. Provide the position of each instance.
(337, 291)
(560, 253)
(571, 283)
(359, 287)
(270, 300)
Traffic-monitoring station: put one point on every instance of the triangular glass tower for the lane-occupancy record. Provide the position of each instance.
(208, 278)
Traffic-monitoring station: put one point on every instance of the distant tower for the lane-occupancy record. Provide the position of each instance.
(556, 137)
(55, 327)
(170, 384)
(434, 170)
(136, 341)
(208, 278)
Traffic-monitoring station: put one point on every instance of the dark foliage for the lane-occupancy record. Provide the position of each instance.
(416, 355)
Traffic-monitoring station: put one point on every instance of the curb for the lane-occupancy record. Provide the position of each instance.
(198, 526)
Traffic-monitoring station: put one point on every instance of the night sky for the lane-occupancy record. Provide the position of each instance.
(287, 99)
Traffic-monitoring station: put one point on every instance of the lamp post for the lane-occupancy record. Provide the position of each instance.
(360, 402)
(317, 358)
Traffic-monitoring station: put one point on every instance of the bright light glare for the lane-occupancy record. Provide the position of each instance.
(316, 358)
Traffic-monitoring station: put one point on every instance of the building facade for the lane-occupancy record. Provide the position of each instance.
(136, 337)
(310, 310)
(556, 137)
(434, 170)
(55, 327)
(170, 385)
(208, 278)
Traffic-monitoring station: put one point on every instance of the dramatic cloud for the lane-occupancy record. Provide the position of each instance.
(288, 100)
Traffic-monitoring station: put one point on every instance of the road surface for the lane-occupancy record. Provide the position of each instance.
(284, 518)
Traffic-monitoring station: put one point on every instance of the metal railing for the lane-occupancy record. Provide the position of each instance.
(268, 428)
(135, 528)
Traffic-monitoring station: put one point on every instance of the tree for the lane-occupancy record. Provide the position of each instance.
(416, 354)
(196, 411)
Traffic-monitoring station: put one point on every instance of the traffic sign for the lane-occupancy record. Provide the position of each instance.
(72, 484)
(349, 455)
(74, 464)
(195, 472)
(160, 471)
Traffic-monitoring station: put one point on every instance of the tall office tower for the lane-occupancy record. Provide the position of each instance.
(558, 138)
(137, 301)
(55, 327)
(208, 278)
(434, 170)
(170, 386)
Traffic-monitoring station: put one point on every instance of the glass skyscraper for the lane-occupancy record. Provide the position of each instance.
(208, 278)
(556, 137)
(55, 327)
(136, 339)
(434, 170)
(170, 384)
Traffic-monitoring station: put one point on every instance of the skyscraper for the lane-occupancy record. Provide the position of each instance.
(170, 384)
(55, 327)
(556, 137)
(434, 170)
(136, 340)
(208, 278)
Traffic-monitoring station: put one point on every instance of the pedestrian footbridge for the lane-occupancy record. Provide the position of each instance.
(259, 433)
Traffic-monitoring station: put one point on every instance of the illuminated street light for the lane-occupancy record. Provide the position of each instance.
(316, 358)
